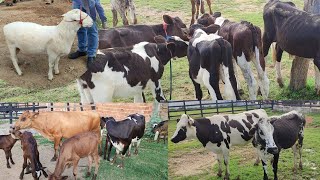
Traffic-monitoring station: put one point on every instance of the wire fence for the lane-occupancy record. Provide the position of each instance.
(206, 108)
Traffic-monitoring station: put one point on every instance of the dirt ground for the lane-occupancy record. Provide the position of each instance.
(35, 67)
(192, 163)
(46, 153)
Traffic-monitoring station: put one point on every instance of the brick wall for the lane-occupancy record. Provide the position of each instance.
(117, 110)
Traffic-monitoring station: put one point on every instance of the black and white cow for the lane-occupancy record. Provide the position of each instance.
(206, 54)
(123, 134)
(126, 72)
(219, 132)
(245, 39)
(287, 132)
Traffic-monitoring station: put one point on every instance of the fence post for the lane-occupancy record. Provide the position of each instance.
(201, 108)
(34, 107)
(246, 105)
(184, 107)
(68, 107)
(272, 104)
(217, 107)
(260, 104)
(81, 108)
(51, 106)
(232, 107)
(310, 104)
(10, 112)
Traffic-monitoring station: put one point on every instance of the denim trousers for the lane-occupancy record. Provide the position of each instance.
(87, 37)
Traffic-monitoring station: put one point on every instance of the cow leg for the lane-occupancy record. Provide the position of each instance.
(42, 169)
(75, 168)
(115, 17)
(23, 166)
(197, 10)
(248, 75)
(256, 163)
(266, 43)
(299, 145)
(219, 158)
(157, 91)
(7, 157)
(278, 52)
(226, 163)
(56, 146)
(209, 5)
(114, 159)
(122, 156)
(263, 81)
(211, 81)
(137, 146)
(317, 79)
(202, 6)
(294, 149)
(11, 157)
(275, 165)
(230, 86)
(89, 166)
(129, 150)
(96, 161)
(235, 69)
(132, 11)
(197, 88)
(124, 17)
(193, 11)
(265, 173)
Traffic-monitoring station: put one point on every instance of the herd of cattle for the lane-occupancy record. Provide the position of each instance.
(268, 135)
(132, 57)
(83, 133)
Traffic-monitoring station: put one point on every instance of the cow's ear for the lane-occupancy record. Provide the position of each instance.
(216, 14)
(159, 39)
(167, 19)
(190, 122)
(35, 114)
(213, 28)
(171, 47)
(253, 130)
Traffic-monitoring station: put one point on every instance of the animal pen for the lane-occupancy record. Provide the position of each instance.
(197, 108)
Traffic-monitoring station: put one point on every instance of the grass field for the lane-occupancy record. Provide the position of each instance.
(150, 12)
(242, 158)
(150, 163)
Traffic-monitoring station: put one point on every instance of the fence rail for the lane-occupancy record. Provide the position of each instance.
(205, 108)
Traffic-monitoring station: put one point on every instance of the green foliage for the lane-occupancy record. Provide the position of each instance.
(155, 119)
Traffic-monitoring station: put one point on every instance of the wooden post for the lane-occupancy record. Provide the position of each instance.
(300, 66)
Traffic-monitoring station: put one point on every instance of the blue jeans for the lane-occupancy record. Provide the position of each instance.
(88, 37)
(100, 11)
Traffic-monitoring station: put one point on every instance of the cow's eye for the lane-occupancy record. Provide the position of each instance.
(184, 129)
(261, 133)
(23, 119)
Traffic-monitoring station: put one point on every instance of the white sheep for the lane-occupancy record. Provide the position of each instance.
(56, 41)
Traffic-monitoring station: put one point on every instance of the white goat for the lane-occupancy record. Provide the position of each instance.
(56, 41)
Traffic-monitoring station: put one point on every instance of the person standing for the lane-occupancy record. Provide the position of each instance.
(101, 13)
(87, 37)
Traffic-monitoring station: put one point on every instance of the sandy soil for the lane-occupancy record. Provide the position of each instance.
(35, 67)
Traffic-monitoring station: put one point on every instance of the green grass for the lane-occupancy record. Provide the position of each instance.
(150, 163)
(150, 12)
(242, 158)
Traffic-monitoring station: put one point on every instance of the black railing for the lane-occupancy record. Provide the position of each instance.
(206, 108)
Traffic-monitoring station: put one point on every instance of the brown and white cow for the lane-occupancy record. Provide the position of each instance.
(126, 72)
(57, 125)
(195, 4)
(294, 31)
(219, 132)
(245, 39)
(122, 6)
(134, 34)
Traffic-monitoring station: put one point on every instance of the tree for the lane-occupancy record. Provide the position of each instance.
(300, 66)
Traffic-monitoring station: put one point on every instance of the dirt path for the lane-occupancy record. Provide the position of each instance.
(46, 153)
(35, 67)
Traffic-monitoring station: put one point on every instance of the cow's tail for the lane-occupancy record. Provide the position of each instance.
(84, 92)
(254, 33)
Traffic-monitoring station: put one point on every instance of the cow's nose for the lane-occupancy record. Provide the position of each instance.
(273, 150)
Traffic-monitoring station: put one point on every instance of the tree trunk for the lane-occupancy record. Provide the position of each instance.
(300, 66)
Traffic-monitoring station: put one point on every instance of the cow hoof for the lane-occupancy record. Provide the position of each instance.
(8, 166)
(88, 174)
(94, 177)
(256, 164)
(56, 73)
(119, 166)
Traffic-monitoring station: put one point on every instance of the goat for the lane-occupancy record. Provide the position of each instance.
(72, 150)
(161, 131)
(55, 41)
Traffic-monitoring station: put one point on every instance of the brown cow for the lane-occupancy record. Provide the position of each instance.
(57, 125)
(73, 149)
(195, 4)
(6, 143)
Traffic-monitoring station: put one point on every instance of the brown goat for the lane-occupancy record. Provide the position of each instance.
(6, 143)
(196, 4)
(161, 131)
(72, 150)
(31, 153)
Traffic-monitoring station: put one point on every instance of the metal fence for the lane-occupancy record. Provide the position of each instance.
(206, 108)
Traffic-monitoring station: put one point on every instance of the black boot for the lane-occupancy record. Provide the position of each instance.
(76, 54)
(90, 60)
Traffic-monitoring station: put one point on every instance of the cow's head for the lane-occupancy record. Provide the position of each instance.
(185, 129)
(25, 120)
(181, 46)
(165, 51)
(175, 27)
(213, 28)
(15, 134)
(207, 19)
(56, 177)
(264, 136)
